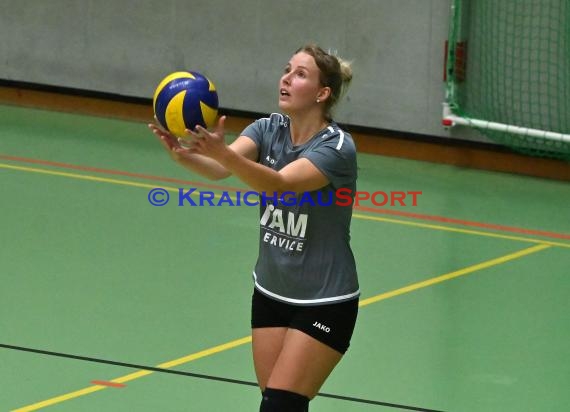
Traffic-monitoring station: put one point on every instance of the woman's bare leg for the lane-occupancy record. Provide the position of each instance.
(267, 344)
(302, 363)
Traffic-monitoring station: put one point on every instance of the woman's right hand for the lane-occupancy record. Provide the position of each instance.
(168, 141)
(198, 163)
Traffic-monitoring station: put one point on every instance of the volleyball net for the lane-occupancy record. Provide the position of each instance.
(508, 73)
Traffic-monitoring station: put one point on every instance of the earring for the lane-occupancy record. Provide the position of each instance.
(318, 100)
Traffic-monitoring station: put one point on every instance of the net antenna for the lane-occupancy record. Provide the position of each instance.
(507, 73)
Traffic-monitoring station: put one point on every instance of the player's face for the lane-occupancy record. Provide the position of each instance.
(300, 85)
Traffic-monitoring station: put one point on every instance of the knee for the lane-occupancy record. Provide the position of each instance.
(279, 400)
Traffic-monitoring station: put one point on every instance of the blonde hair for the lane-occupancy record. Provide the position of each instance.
(335, 73)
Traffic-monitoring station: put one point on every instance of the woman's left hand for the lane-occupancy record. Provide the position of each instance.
(206, 143)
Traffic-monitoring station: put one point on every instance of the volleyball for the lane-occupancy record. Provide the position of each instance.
(184, 100)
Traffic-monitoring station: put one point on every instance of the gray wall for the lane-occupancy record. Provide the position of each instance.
(127, 46)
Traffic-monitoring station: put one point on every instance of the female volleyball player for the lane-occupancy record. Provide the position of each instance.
(305, 299)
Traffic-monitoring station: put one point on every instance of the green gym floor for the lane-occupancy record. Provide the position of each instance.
(108, 303)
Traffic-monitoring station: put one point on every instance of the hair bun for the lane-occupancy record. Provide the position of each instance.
(345, 70)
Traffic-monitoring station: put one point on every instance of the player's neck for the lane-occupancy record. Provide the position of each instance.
(303, 128)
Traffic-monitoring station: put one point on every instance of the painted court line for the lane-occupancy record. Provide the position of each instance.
(441, 219)
(464, 231)
(233, 344)
(455, 274)
(356, 215)
(109, 384)
(135, 375)
(209, 377)
(115, 172)
(418, 216)
(82, 177)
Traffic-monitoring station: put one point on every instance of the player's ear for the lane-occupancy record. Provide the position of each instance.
(324, 94)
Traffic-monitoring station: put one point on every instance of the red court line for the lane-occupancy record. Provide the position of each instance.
(109, 384)
(465, 222)
(378, 210)
(115, 172)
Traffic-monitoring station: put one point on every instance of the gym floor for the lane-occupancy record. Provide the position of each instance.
(109, 303)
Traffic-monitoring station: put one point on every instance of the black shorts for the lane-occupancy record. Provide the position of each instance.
(331, 324)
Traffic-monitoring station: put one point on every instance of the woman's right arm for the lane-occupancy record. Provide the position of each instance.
(200, 164)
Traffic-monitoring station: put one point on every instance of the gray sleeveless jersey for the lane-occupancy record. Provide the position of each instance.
(304, 247)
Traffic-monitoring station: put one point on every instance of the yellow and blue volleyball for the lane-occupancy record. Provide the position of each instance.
(184, 100)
